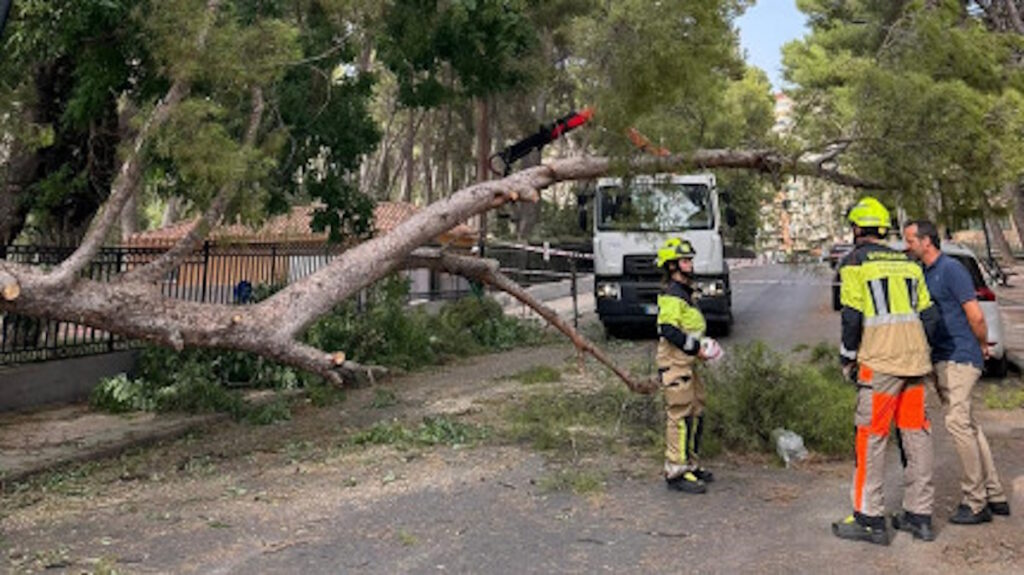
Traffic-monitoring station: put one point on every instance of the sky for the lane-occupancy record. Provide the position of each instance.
(764, 28)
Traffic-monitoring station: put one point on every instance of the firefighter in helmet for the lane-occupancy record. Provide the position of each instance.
(681, 343)
(887, 314)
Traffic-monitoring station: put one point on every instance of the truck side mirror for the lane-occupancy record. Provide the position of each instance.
(581, 211)
(730, 216)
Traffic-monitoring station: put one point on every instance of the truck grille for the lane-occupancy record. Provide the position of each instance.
(647, 294)
(640, 265)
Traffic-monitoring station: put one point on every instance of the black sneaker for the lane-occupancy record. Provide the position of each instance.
(918, 525)
(687, 483)
(964, 516)
(851, 528)
(999, 507)
(704, 475)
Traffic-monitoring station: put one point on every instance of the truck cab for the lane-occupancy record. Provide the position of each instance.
(633, 217)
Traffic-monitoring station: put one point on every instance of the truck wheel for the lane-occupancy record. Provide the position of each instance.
(612, 331)
(997, 367)
(719, 328)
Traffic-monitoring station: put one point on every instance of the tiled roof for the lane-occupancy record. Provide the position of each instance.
(294, 227)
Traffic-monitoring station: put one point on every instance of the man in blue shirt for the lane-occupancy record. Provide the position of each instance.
(959, 350)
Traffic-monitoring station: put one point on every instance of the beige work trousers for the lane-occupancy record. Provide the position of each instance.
(881, 400)
(684, 405)
(980, 484)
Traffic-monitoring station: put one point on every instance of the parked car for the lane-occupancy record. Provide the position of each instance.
(998, 363)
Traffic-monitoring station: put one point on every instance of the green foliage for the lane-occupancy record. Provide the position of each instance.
(664, 71)
(200, 381)
(1003, 396)
(386, 332)
(575, 422)
(928, 95)
(165, 367)
(756, 390)
(483, 41)
(577, 480)
(121, 394)
(539, 374)
(329, 124)
(383, 398)
(431, 431)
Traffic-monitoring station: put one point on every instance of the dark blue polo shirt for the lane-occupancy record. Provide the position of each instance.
(951, 285)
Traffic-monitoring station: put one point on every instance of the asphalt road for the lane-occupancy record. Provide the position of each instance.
(783, 305)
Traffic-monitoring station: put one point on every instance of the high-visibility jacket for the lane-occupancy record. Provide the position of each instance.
(680, 328)
(886, 311)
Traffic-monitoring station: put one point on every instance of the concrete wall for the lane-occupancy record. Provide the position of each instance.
(28, 386)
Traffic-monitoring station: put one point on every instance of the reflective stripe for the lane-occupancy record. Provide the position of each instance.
(850, 354)
(878, 295)
(912, 291)
(692, 342)
(682, 441)
(892, 319)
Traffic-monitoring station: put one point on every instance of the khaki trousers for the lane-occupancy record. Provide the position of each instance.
(684, 409)
(881, 400)
(980, 482)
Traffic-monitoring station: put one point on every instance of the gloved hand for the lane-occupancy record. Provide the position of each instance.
(850, 372)
(710, 350)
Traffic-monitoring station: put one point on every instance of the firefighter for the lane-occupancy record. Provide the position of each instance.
(886, 312)
(681, 342)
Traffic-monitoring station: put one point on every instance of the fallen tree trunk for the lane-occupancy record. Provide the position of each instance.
(135, 308)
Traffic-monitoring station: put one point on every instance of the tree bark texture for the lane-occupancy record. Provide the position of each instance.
(137, 309)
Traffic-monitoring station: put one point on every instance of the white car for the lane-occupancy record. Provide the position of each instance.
(998, 363)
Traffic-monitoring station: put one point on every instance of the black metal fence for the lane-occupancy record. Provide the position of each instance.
(231, 274)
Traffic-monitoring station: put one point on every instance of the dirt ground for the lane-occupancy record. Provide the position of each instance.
(301, 497)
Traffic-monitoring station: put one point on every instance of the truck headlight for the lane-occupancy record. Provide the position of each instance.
(712, 288)
(609, 290)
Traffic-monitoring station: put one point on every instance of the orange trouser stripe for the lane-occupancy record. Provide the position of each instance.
(910, 413)
(862, 467)
(883, 409)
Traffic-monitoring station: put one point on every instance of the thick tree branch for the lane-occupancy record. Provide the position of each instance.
(1014, 14)
(139, 311)
(486, 271)
(10, 288)
(170, 259)
(126, 182)
(301, 303)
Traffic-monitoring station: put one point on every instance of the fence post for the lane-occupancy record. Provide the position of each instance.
(273, 264)
(206, 267)
(572, 287)
(117, 270)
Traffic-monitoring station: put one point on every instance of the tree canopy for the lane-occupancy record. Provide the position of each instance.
(120, 114)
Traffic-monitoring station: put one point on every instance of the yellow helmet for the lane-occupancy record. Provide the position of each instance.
(675, 249)
(869, 213)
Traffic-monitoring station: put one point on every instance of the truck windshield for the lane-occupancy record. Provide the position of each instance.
(654, 207)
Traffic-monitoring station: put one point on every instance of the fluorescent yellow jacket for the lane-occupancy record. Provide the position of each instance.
(680, 328)
(885, 308)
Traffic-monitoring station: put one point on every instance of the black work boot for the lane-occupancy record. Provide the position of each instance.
(859, 527)
(999, 508)
(704, 475)
(687, 483)
(919, 525)
(964, 515)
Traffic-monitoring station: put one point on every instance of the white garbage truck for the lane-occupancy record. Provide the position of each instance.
(633, 217)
